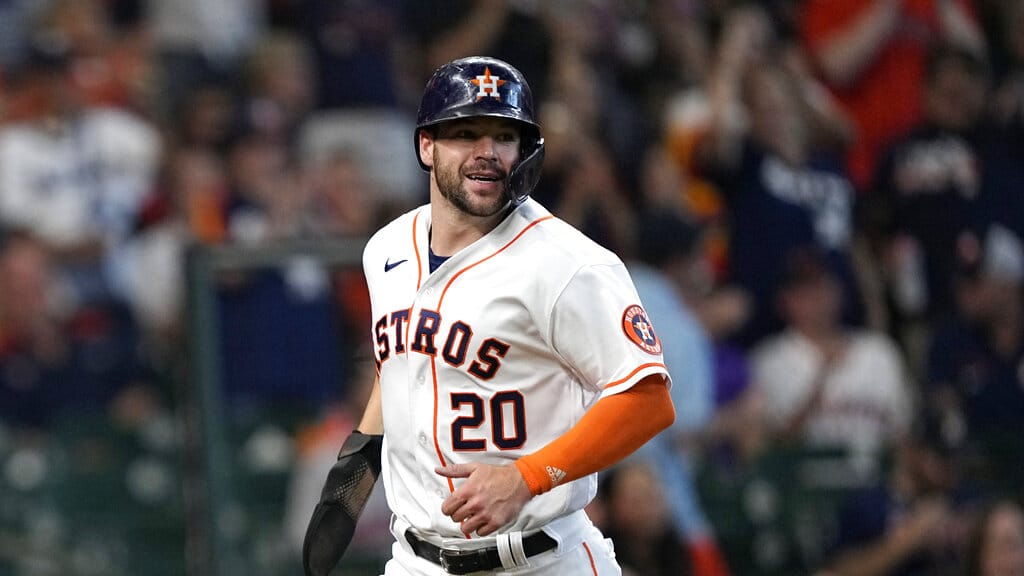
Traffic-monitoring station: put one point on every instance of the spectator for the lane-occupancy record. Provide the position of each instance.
(921, 204)
(822, 384)
(666, 254)
(912, 522)
(599, 49)
(206, 118)
(515, 32)
(719, 308)
(361, 54)
(33, 347)
(591, 196)
(682, 50)
(77, 175)
(974, 373)
(113, 64)
(1008, 55)
(780, 190)
(1000, 200)
(343, 201)
(279, 86)
(872, 57)
(266, 189)
(637, 522)
(584, 62)
(191, 208)
(56, 362)
(200, 40)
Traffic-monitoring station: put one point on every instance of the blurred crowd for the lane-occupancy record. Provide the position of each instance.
(821, 203)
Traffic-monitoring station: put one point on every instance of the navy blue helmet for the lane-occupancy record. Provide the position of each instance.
(483, 86)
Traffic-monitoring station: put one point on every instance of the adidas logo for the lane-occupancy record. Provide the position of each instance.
(556, 475)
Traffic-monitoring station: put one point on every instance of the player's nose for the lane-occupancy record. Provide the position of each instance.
(485, 147)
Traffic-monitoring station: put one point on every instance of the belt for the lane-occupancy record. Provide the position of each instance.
(478, 560)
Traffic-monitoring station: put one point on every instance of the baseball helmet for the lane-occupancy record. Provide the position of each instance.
(483, 86)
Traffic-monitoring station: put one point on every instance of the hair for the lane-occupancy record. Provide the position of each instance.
(665, 236)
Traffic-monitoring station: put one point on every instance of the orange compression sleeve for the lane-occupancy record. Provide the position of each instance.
(611, 430)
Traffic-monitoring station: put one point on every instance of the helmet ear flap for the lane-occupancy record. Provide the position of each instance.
(524, 177)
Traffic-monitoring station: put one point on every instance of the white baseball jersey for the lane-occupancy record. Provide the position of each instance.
(866, 404)
(497, 353)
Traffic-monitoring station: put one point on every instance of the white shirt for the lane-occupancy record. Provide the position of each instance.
(85, 180)
(531, 324)
(866, 403)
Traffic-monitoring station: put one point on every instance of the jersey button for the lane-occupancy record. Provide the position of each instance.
(423, 439)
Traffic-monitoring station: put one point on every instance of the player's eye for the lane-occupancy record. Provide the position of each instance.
(463, 134)
(508, 137)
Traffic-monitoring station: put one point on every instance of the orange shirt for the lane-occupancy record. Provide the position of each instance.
(885, 99)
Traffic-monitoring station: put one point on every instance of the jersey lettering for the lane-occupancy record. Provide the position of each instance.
(426, 330)
(383, 345)
(507, 410)
(470, 421)
(488, 359)
(516, 405)
(457, 344)
(398, 320)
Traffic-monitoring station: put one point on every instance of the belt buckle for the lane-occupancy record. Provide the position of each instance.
(460, 561)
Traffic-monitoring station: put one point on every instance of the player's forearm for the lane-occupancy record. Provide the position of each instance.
(372, 421)
(611, 430)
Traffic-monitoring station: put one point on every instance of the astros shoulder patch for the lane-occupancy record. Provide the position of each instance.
(639, 329)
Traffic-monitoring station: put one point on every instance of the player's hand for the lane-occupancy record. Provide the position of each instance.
(491, 496)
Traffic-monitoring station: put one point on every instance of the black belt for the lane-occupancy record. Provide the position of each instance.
(479, 560)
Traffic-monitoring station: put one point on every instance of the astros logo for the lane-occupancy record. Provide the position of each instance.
(488, 85)
(639, 329)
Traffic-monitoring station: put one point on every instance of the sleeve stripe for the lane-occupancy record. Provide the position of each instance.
(635, 371)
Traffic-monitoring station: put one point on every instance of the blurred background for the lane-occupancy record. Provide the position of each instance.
(821, 203)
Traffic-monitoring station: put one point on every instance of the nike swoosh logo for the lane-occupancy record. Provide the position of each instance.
(388, 264)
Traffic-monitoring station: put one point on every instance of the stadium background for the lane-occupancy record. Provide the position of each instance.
(185, 188)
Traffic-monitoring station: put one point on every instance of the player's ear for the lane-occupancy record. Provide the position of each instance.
(426, 147)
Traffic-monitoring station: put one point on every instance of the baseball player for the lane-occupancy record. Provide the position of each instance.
(514, 358)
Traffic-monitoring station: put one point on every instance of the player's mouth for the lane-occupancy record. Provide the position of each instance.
(486, 179)
(485, 175)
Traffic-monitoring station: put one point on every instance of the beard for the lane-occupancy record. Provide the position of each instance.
(449, 183)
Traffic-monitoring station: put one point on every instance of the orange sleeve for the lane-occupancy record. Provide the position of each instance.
(611, 430)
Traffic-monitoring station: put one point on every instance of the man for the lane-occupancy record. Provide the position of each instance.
(822, 383)
(514, 358)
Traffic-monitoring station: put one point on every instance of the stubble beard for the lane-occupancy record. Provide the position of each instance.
(449, 183)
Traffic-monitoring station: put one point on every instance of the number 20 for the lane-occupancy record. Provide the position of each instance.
(497, 404)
